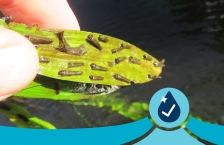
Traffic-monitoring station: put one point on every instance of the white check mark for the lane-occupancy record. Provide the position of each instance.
(168, 114)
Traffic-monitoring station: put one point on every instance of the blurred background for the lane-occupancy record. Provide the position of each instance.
(187, 33)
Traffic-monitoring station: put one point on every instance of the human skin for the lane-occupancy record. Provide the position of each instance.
(18, 57)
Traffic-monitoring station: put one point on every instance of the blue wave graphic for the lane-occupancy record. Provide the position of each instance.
(111, 135)
(176, 137)
(210, 132)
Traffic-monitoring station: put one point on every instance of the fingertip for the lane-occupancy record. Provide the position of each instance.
(18, 62)
(50, 14)
(4, 97)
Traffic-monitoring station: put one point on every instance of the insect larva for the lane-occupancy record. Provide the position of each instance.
(159, 64)
(43, 59)
(57, 88)
(125, 46)
(97, 67)
(6, 18)
(24, 118)
(65, 47)
(69, 73)
(61, 37)
(154, 77)
(75, 64)
(76, 51)
(63, 44)
(39, 40)
(120, 59)
(96, 77)
(117, 49)
(134, 60)
(147, 57)
(91, 39)
(121, 78)
(103, 38)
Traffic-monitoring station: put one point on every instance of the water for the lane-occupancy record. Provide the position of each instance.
(187, 33)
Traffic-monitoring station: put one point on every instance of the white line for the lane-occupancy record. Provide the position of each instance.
(167, 115)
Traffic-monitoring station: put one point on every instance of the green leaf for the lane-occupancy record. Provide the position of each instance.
(45, 87)
(22, 118)
(129, 63)
(134, 111)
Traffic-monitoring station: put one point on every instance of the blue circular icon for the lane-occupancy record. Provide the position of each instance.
(169, 107)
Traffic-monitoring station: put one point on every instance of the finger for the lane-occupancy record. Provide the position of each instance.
(54, 14)
(18, 62)
(4, 97)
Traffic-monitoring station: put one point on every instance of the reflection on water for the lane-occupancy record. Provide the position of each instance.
(210, 17)
(187, 33)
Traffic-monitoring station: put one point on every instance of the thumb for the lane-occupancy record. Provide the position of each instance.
(18, 62)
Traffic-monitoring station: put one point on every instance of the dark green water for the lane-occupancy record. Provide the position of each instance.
(187, 33)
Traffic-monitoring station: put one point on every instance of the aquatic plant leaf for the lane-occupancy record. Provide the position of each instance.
(136, 111)
(124, 62)
(44, 87)
(133, 111)
(22, 118)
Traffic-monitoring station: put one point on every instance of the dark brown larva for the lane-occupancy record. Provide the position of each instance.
(134, 60)
(62, 42)
(120, 59)
(75, 64)
(147, 57)
(43, 59)
(159, 64)
(96, 77)
(125, 46)
(90, 38)
(57, 88)
(65, 47)
(69, 73)
(103, 38)
(77, 51)
(97, 67)
(61, 38)
(117, 49)
(154, 77)
(121, 78)
(39, 40)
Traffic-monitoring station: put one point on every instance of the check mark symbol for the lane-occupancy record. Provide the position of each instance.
(168, 114)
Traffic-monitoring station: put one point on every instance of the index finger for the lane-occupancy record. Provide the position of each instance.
(53, 14)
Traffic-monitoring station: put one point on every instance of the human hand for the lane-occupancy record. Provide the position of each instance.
(18, 57)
